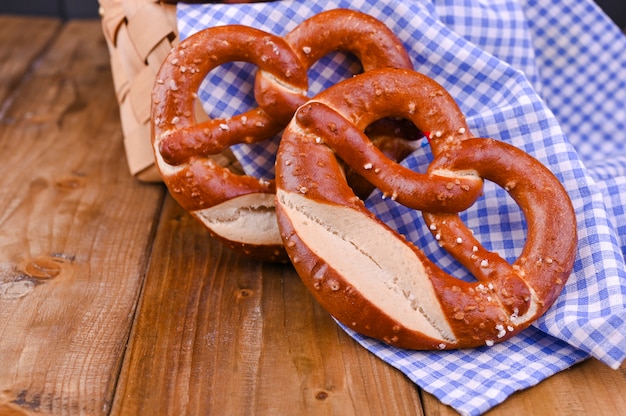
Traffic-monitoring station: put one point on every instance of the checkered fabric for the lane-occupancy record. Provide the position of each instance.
(546, 76)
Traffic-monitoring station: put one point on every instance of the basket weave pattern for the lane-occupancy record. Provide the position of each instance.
(139, 35)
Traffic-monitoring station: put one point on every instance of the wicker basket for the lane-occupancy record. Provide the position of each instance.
(139, 35)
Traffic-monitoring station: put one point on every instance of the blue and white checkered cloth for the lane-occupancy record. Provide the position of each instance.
(547, 76)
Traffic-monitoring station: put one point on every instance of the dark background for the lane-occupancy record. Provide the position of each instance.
(70, 9)
(66, 9)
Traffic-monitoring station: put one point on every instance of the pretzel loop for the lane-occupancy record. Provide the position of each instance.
(537, 276)
(181, 137)
(410, 188)
(368, 276)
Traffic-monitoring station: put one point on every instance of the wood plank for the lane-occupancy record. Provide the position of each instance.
(585, 389)
(75, 232)
(219, 334)
(18, 52)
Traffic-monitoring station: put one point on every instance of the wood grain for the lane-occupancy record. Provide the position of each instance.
(219, 334)
(75, 229)
(114, 301)
(18, 52)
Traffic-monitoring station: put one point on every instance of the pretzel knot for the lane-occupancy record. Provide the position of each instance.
(369, 277)
(239, 209)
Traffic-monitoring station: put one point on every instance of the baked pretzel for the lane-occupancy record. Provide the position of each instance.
(239, 209)
(368, 276)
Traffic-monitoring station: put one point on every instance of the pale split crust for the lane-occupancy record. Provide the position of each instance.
(369, 277)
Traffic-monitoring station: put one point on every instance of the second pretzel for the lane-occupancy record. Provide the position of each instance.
(368, 276)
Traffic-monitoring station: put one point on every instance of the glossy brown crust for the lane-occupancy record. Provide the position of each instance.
(505, 299)
(373, 43)
(550, 250)
(395, 138)
(182, 145)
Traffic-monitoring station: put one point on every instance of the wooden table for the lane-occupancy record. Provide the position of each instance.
(114, 301)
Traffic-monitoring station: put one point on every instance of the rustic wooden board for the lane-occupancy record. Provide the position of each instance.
(115, 301)
(75, 228)
(18, 51)
(219, 334)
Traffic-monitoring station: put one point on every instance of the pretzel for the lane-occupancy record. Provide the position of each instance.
(239, 209)
(368, 276)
